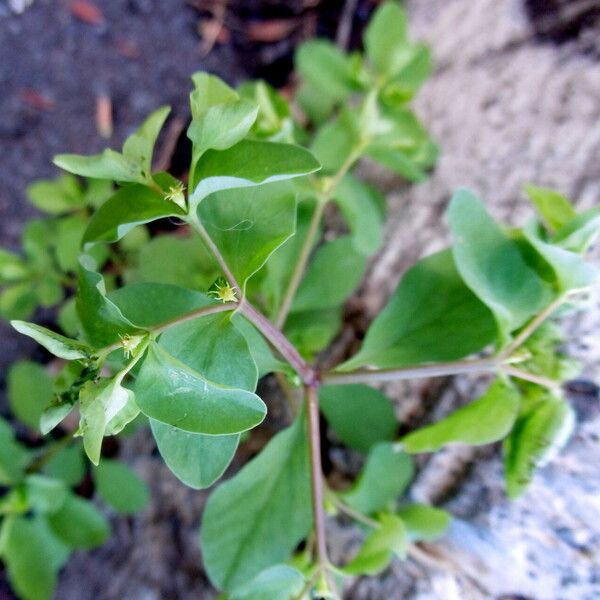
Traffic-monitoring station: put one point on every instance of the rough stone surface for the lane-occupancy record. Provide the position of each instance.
(506, 110)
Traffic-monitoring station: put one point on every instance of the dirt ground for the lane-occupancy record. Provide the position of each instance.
(515, 98)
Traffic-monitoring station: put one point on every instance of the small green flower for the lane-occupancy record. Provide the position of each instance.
(176, 195)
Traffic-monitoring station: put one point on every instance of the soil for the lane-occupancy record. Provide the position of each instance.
(60, 56)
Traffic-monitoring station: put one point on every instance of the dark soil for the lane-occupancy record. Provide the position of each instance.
(59, 56)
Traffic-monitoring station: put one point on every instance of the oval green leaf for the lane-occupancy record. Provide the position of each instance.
(486, 420)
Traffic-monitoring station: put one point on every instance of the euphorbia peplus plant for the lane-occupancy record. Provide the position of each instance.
(189, 359)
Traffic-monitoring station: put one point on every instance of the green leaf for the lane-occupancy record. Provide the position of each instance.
(490, 263)
(18, 301)
(49, 291)
(132, 205)
(45, 494)
(554, 208)
(257, 518)
(97, 191)
(417, 66)
(220, 118)
(121, 487)
(69, 235)
(398, 140)
(249, 225)
(313, 330)
(105, 408)
(29, 392)
(133, 165)
(214, 348)
(385, 38)
(209, 90)
(68, 465)
(178, 261)
(314, 104)
(259, 348)
(67, 318)
(342, 405)
(336, 141)
(540, 432)
(107, 165)
(247, 164)
(79, 524)
(325, 67)
(69, 231)
(578, 234)
(13, 457)
(331, 277)
(151, 304)
(431, 298)
(570, 269)
(12, 267)
(384, 477)
(196, 459)
(197, 354)
(38, 239)
(274, 121)
(33, 556)
(277, 272)
(280, 582)
(139, 147)
(134, 240)
(56, 196)
(101, 320)
(359, 204)
(379, 548)
(170, 391)
(56, 344)
(546, 358)
(423, 522)
(53, 415)
(486, 420)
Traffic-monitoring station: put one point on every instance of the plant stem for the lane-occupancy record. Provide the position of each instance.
(477, 365)
(212, 248)
(270, 331)
(200, 312)
(532, 326)
(280, 342)
(195, 314)
(314, 440)
(357, 516)
(300, 266)
(313, 228)
(539, 379)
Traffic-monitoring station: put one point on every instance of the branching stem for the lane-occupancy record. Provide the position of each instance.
(280, 342)
(526, 376)
(478, 365)
(311, 378)
(532, 326)
(314, 435)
